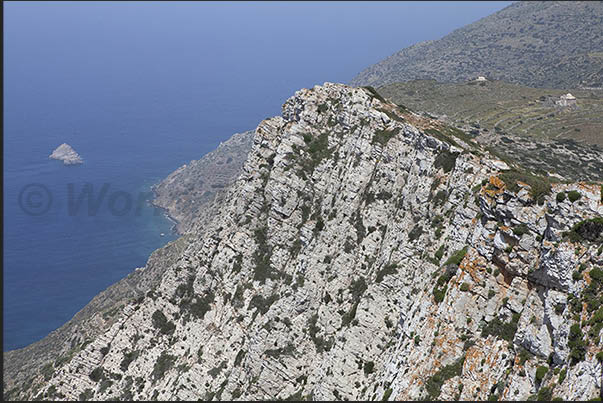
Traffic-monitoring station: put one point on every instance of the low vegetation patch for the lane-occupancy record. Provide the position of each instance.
(439, 290)
(163, 364)
(521, 229)
(415, 233)
(160, 322)
(433, 386)
(262, 304)
(587, 230)
(383, 136)
(127, 360)
(540, 186)
(498, 328)
(576, 344)
(446, 160)
(457, 257)
(387, 270)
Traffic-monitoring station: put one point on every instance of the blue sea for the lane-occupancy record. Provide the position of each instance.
(138, 89)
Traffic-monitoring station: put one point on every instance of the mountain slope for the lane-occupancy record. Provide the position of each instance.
(522, 123)
(364, 252)
(537, 43)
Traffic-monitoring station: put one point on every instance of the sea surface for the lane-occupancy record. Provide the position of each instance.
(138, 89)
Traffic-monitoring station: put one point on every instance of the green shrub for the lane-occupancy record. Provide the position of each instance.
(524, 355)
(369, 367)
(391, 115)
(385, 271)
(97, 374)
(442, 137)
(383, 136)
(541, 372)
(350, 315)
(105, 384)
(576, 276)
(417, 340)
(163, 364)
(587, 230)
(560, 197)
(464, 287)
(160, 322)
(387, 394)
(440, 197)
(576, 344)
(498, 328)
(415, 233)
(545, 394)
(262, 304)
(439, 254)
(318, 149)
(445, 160)
(457, 257)
(201, 305)
(87, 394)
(433, 386)
(573, 195)
(559, 308)
(439, 293)
(128, 358)
(262, 257)
(521, 229)
(47, 371)
(596, 274)
(562, 375)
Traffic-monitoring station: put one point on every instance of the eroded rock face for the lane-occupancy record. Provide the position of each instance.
(359, 255)
(67, 154)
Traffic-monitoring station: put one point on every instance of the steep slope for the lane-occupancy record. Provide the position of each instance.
(536, 43)
(364, 252)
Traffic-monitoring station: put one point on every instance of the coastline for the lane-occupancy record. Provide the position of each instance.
(165, 211)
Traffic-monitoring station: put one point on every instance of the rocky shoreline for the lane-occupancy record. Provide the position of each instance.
(188, 191)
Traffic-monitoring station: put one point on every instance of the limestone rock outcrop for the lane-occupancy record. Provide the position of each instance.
(364, 252)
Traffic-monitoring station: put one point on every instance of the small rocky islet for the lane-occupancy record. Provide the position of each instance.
(67, 154)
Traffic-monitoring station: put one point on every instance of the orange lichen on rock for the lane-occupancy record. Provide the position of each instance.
(499, 187)
(497, 182)
(472, 265)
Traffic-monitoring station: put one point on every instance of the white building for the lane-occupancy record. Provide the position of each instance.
(566, 100)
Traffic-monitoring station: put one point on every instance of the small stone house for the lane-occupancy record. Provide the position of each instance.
(566, 100)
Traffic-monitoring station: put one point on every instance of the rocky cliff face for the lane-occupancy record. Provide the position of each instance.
(364, 252)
